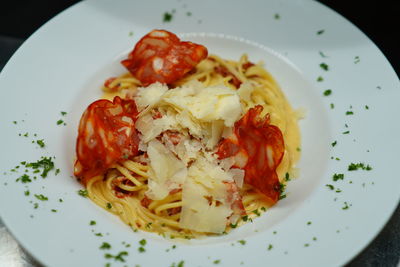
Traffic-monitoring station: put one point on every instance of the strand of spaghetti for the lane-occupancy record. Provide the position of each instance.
(127, 174)
(137, 168)
(163, 207)
(170, 198)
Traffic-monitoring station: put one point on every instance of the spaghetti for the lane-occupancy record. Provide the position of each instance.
(138, 187)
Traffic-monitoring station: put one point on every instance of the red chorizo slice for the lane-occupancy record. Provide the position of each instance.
(106, 135)
(258, 148)
(161, 57)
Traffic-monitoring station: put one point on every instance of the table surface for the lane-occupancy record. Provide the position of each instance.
(384, 250)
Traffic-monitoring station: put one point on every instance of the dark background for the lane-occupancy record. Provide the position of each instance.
(20, 18)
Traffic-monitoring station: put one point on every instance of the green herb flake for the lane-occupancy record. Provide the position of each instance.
(242, 242)
(338, 190)
(26, 135)
(105, 245)
(233, 226)
(25, 179)
(324, 66)
(277, 16)
(92, 222)
(217, 261)
(109, 206)
(320, 32)
(309, 223)
(270, 246)
(167, 17)
(15, 122)
(245, 218)
(27, 193)
(181, 264)
(349, 113)
(320, 79)
(346, 132)
(40, 143)
(41, 197)
(331, 187)
(83, 193)
(36, 205)
(322, 54)
(54, 210)
(256, 212)
(188, 13)
(282, 194)
(338, 176)
(366, 107)
(143, 242)
(356, 60)
(358, 166)
(334, 143)
(98, 234)
(59, 122)
(45, 163)
(60, 200)
(287, 177)
(327, 92)
(306, 245)
(264, 209)
(57, 171)
(141, 249)
(346, 206)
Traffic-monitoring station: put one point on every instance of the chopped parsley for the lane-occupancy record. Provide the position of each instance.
(45, 163)
(334, 143)
(327, 92)
(309, 223)
(119, 257)
(217, 261)
(141, 249)
(130, 33)
(332, 106)
(233, 226)
(338, 176)
(27, 193)
(83, 193)
(63, 113)
(357, 166)
(277, 16)
(25, 179)
(256, 212)
(263, 209)
(245, 218)
(41, 197)
(282, 194)
(98, 234)
(40, 143)
(322, 54)
(306, 245)
(109, 206)
(105, 245)
(143, 242)
(346, 206)
(349, 113)
(331, 187)
(320, 79)
(324, 66)
(320, 32)
(270, 246)
(59, 122)
(366, 107)
(346, 132)
(188, 13)
(53, 210)
(287, 177)
(167, 17)
(242, 242)
(36, 205)
(356, 59)
(92, 223)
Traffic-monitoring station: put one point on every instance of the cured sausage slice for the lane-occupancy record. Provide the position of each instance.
(161, 57)
(258, 148)
(106, 135)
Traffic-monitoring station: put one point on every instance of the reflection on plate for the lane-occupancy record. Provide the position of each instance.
(323, 64)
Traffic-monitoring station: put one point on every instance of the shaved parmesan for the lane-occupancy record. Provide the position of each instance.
(166, 171)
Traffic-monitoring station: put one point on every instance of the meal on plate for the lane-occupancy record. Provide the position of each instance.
(187, 144)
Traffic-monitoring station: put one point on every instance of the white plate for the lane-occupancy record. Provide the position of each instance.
(62, 66)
